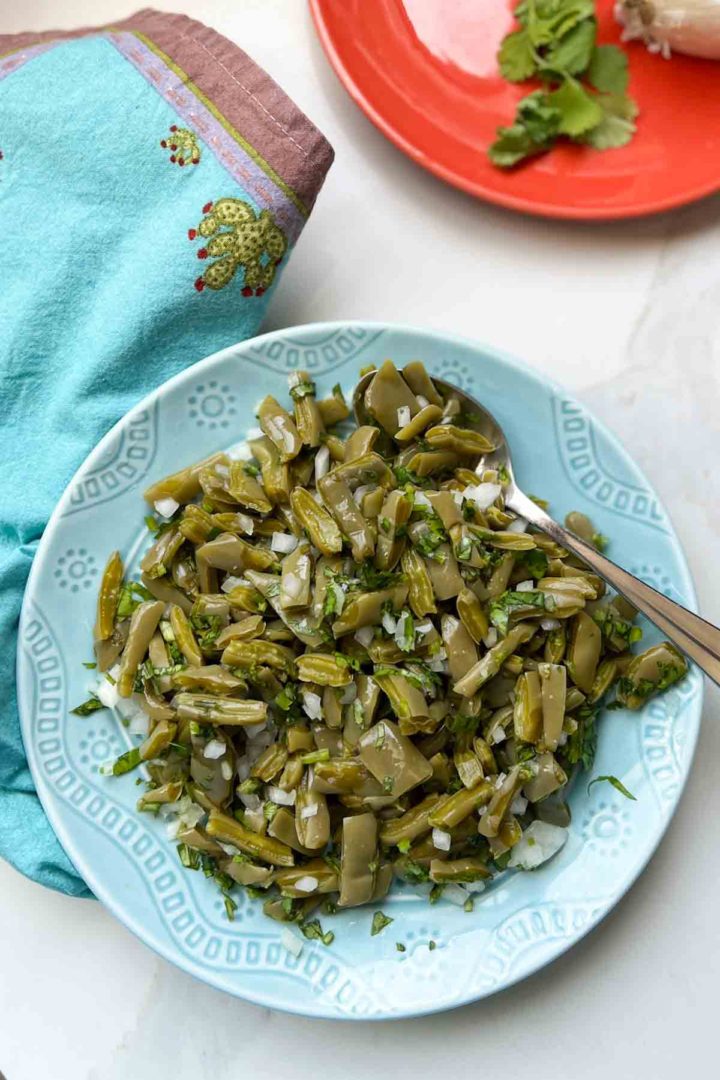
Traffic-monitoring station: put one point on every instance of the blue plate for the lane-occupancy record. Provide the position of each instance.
(523, 920)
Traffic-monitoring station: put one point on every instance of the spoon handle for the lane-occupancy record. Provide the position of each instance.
(696, 637)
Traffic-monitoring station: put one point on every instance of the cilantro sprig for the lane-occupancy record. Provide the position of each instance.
(584, 98)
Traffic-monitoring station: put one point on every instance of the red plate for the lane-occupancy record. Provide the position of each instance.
(424, 71)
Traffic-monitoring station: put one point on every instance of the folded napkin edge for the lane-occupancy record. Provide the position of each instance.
(219, 71)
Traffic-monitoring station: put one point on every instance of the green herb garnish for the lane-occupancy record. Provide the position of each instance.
(585, 96)
(127, 761)
(313, 931)
(92, 705)
(379, 922)
(501, 609)
(189, 857)
(617, 784)
(131, 596)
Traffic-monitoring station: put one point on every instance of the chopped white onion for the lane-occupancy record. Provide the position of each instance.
(389, 623)
(457, 498)
(231, 582)
(214, 749)
(517, 525)
(525, 586)
(254, 730)
(283, 542)
(107, 692)
(246, 523)
(474, 886)
(192, 816)
(424, 627)
(172, 829)
(538, 843)
(364, 636)
(403, 416)
(550, 624)
(441, 839)
(483, 495)
(498, 736)
(226, 770)
(140, 725)
(166, 507)
(421, 499)
(307, 884)
(250, 802)
(222, 470)
(280, 797)
(490, 638)
(309, 811)
(422, 401)
(563, 738)
(292, 584)
(502, 777)
(455, 894)
(518, 805)
(312, 705)
(254, 433)
(240, 452)
(322, 463)
(349, 694)
(291, 941)
(243, 768)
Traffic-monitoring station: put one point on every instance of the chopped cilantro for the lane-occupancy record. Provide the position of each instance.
(582, 744)
(131, 596)
(92, 705)
(461, 723)
(304, 388)
(189, 857)
(414, 872)
(405, 476)
(127, 761)
(534, 561)
(617, 784)
(501, 609)
(313, 931)
(379, 922)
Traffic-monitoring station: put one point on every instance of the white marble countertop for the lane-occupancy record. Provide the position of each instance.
(628, 317)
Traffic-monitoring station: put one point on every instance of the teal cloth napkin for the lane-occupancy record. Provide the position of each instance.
(153, 181)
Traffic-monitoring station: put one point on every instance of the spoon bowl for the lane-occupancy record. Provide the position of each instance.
(481, 421)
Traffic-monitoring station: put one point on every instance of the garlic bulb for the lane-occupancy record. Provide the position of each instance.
(686, 26)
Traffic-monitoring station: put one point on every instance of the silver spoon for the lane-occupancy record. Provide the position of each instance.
(696, 637)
